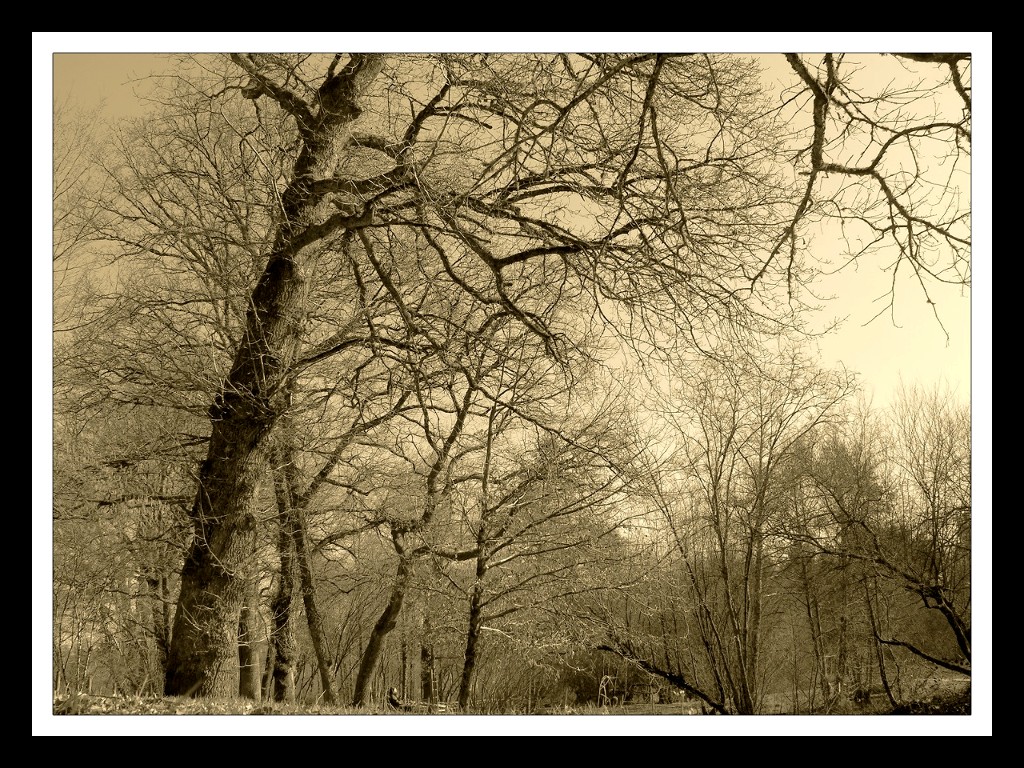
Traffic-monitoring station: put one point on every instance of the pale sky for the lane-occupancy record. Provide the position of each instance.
(915, 350)
(908, 345)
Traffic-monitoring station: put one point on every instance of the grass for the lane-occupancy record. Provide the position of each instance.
(89, 704)
(941, 702)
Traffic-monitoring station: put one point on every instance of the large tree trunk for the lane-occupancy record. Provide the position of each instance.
(283, 645)
(252, 399)
(384, 625)
(202, 660)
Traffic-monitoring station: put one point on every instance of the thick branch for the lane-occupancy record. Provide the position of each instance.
(950, 665)
(677, 680)
(289, 102)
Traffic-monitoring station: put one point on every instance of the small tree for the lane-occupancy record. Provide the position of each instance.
(737, 422)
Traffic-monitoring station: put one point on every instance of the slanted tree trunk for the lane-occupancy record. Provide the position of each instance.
(255, 393)
(293, 520)
(314, 620)
(387, 622)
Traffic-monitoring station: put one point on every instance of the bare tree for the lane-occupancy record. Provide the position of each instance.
(932, 450)
(76, 217)
(837, 595)
(888, 159)
(920, 539)
(548, 529)
(735, 422)
(373, 203)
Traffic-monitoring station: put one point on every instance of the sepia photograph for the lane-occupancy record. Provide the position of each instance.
(511, 384)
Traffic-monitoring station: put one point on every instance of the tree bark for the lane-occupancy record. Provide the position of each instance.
(879, 651)
(428, 691)
(387, 621)
(284, 661)
(314, 620)
(252, 399)
(248, 668)
(472, 635)
(267, 684)
(282, 636)
(283, 644)
(293, 522)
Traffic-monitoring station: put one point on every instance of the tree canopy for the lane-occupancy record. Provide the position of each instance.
(439, 340)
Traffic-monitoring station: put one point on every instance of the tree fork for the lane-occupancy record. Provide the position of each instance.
(250, 403)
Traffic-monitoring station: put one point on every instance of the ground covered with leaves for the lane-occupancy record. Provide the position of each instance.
(89, 704)
(944, 703)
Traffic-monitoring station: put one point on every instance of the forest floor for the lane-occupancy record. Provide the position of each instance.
(941, 700)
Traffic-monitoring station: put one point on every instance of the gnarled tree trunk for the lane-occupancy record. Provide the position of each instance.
(254, 395)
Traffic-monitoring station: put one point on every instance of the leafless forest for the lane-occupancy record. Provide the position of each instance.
(487, 380)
